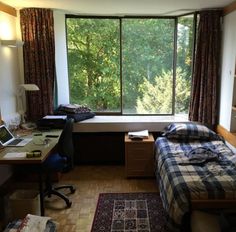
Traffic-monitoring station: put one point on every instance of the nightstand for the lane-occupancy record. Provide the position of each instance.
(139, 157)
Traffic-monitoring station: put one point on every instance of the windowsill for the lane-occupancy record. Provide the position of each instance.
(127, 123)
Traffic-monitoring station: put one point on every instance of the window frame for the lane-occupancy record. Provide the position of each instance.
(175, 41)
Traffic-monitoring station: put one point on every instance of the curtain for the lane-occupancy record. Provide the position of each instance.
(37, 28)
(204, 95)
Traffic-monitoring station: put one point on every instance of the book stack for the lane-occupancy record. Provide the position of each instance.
(138, 135)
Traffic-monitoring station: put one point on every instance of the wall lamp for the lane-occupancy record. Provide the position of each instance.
(12, 43)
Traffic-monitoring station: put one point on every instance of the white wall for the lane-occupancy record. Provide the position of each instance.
(61, 57)
(9, 69)
(9, 78)
(11, 65)
(228, 69)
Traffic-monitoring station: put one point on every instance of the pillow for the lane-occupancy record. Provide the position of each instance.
(190, 131)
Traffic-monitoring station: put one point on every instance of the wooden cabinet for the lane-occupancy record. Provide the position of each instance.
(139, 157)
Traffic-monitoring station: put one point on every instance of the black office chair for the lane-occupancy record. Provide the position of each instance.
(62, 161)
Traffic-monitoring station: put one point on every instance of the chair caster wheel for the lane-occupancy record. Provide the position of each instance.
(69, 204)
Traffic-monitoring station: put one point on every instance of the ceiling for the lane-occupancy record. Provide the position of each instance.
(122, 7)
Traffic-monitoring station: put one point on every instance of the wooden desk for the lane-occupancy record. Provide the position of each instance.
(39, 142)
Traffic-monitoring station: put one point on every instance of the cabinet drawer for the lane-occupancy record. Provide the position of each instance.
(139, 158)
(139, 173)
(140, 165)
(141, 152)
(139, 146)
(140, 168)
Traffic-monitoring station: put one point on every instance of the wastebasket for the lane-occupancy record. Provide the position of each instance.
(24, 201)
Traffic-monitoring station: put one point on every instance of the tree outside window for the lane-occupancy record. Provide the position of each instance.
(126, 65)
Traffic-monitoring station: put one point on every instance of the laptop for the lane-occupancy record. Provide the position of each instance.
(8, 139)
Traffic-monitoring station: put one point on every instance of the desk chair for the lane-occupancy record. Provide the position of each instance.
(62, 161)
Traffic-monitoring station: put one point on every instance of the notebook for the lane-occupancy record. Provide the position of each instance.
(8, 139)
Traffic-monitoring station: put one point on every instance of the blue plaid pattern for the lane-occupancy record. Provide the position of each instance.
(189, 131)
(179, 184)
(13, 226)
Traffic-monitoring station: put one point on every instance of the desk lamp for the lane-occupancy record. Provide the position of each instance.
(20, 95)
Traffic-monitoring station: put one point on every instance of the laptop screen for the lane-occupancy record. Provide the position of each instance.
(5, 135)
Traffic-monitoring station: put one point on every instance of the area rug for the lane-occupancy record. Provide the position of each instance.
(133, 212)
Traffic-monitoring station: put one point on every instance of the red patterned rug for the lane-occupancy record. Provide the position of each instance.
(133, 212)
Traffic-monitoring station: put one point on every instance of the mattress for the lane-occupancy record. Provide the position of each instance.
(182, 180)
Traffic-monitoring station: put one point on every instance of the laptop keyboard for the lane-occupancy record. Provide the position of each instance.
(15, 142)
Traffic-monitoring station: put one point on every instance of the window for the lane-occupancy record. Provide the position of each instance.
(147, 65)
(94, 63)
(184, 63)
(130, 65)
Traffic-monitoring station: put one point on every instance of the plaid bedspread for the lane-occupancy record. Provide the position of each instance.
(179, 184)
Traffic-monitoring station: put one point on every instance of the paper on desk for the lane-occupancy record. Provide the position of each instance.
(138, 134)
(13, 155)
(55, 117)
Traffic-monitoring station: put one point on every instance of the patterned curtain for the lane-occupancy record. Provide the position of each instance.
(204, 97)
(37, 28)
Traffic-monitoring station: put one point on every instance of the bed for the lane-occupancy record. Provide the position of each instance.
(194, 169)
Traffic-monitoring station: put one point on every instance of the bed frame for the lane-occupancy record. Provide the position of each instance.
(228, 136)
(213, 204)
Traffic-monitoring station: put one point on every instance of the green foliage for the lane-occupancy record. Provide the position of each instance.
(93, 55)
(157, 97)
(146, 52)
(185, 44)
(182, 92)
(147, 64)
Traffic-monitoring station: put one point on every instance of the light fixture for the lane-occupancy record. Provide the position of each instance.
(28, 87)
(20, 99)
(12, 43)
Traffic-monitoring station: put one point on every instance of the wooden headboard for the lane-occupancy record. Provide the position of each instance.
(228, 136)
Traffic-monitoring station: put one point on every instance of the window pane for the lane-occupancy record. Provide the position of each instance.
(94, 63)
(184, 63)
(147, 65)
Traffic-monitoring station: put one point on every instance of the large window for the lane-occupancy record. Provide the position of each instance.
(130, 65)
(94, 63)
(184, 63)
(147, 65)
